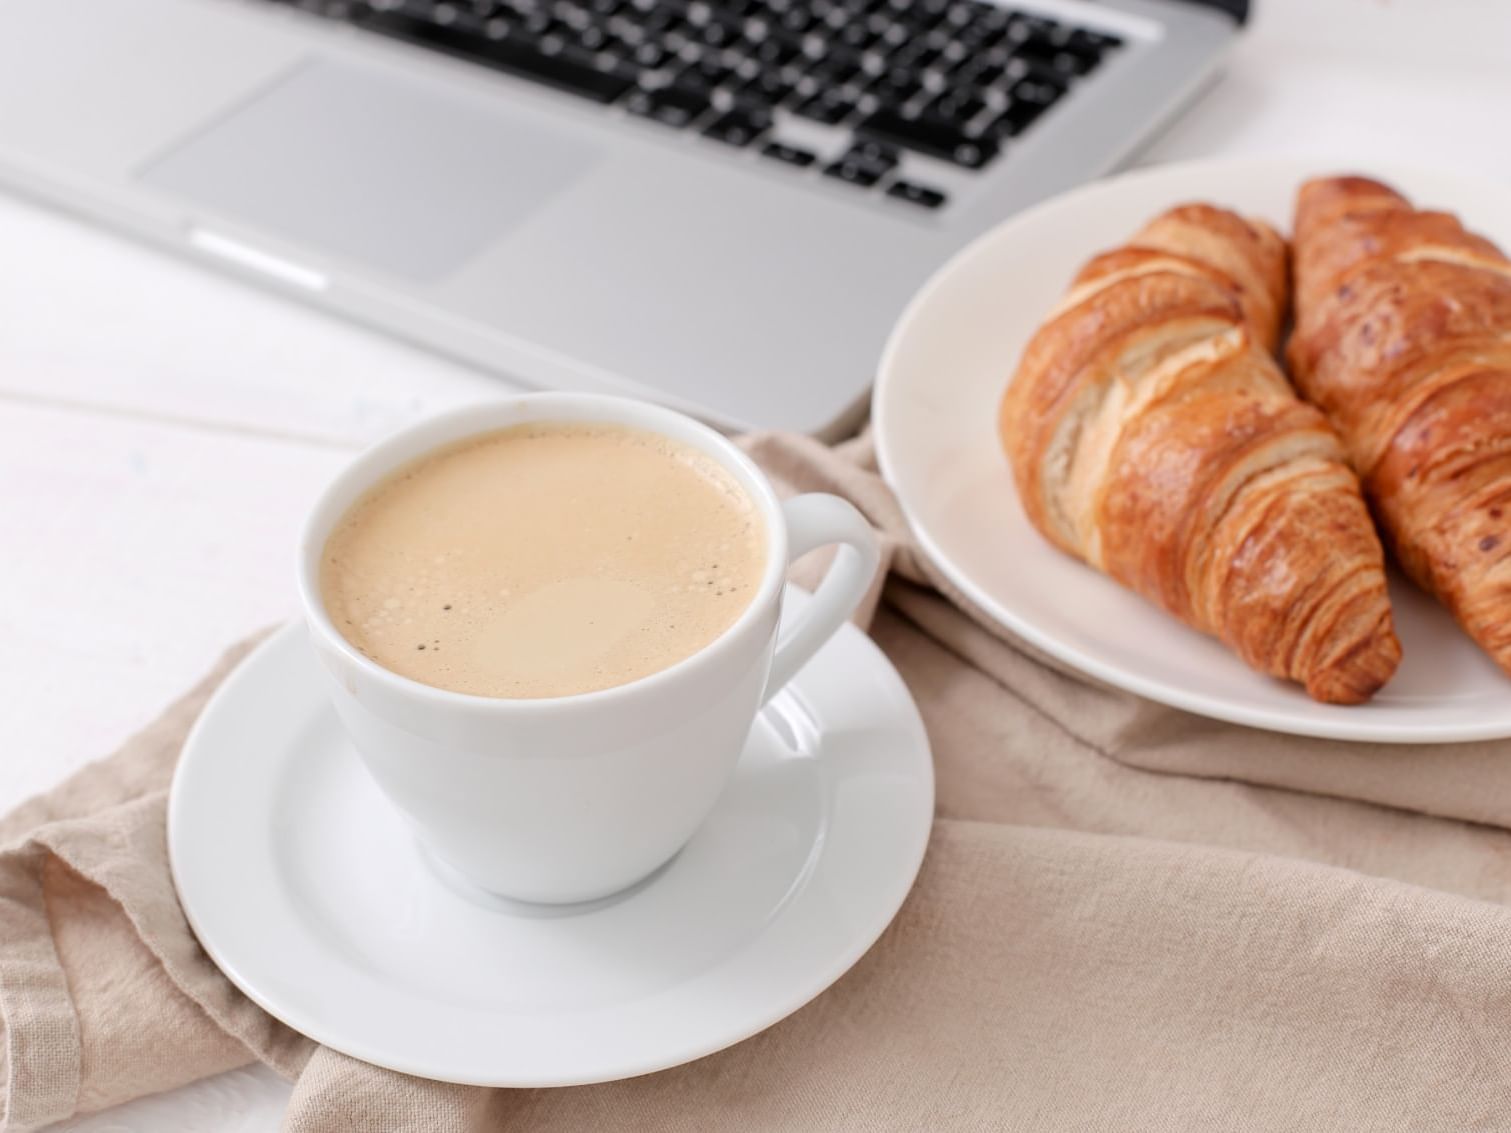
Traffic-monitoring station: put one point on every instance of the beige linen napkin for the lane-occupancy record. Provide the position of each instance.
(1129, 918)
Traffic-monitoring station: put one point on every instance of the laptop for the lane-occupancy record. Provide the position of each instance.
(721, 205)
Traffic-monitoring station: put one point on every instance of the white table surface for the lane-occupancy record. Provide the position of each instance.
(162, 429)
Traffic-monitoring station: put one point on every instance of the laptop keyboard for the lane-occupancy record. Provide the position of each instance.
(954, 80)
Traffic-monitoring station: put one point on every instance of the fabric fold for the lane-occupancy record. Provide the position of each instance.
(1129, 917)
(42, 1055)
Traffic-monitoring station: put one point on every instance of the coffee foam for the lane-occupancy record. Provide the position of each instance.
(544, 560)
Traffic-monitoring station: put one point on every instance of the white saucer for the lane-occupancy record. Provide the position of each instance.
(310, 892)
(935, 420)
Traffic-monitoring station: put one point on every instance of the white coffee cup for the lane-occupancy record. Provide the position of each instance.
(573, 798)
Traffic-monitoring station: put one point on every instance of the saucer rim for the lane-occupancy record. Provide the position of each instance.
(299, 1019)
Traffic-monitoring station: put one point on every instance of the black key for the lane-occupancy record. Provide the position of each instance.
(914, 55)
(814, 46)
(595, 36)
(715, 35)
(666, 27)
(1094, 40)
(1077, 64)
(774, 52)
(1026, 26)
(1035, 89)
(899, 83)
(856, 173)
(984, 74)
(972, 77)
(961, 14)
(585, 58)
(746, 68)
(959, 107)
(537, 23)
(501, 26)
(895, 37)
(991, 17)
(625, 30)
(1055, 59)
(676, 39)
(936, 39)
(920, 195)
(671, 106)
(738, 127)
(856, 36)
(866, 163)
(929, 135)
(795, 21)
(923, 13)
(1018, 116)
(834, 72)
(596, 39)
(649, 54)
(781, 151)
(834, 18)
(876, 154)
(687, 82)
(828, 107)
(978, 38)
(708, 72)
(514, 55)
(474, 23)
(897, 86)
(770, 87)
(660, 21)
(953, 54)
(993, 20)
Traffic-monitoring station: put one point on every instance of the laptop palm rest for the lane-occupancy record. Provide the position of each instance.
(385, 170)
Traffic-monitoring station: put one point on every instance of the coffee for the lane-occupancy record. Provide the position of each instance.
(544, 560)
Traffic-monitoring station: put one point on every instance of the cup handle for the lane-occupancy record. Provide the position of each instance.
(814, 521)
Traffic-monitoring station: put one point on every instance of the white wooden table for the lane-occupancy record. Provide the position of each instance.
(162, 429)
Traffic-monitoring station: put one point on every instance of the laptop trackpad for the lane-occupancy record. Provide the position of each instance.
(390, 171)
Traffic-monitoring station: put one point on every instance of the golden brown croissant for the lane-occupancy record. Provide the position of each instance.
(1152, 435)
(1403, 337)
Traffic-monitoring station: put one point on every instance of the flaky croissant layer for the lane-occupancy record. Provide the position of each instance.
(1403, 336)
(1152, 435)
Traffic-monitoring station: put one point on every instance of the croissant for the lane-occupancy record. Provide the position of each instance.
(1403, 337)
(1152, 435)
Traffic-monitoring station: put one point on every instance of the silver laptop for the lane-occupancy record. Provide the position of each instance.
(719, 204)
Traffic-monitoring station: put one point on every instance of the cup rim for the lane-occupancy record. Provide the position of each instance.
(378, 460)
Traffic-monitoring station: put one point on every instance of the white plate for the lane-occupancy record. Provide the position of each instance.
(309, 891)
(935, 412)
